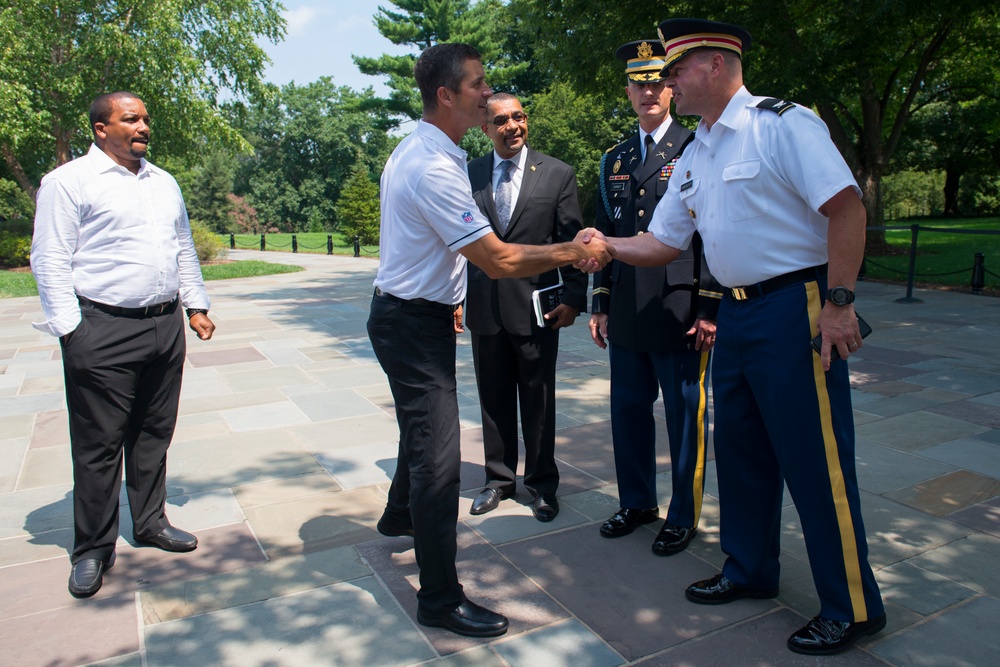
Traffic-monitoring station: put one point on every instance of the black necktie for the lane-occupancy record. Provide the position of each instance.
(649, 148)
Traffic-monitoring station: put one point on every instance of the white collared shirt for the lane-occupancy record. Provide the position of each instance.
(752, 186)
(112, 236)
(428, 213)
(516, 174)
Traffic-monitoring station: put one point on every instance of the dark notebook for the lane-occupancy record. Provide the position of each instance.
(545, 300)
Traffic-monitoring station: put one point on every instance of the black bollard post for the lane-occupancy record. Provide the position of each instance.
(262, 246)
(978, 274)
(329, 244)
(295, 243)
(909, 298)
(232, 241)
(357, 246)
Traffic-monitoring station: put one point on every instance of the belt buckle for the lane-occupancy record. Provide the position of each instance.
(739, 293)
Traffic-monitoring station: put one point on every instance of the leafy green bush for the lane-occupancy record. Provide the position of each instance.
(912, 193)
(15, 249)
(15, 206)
(979, 194)
(206, 242)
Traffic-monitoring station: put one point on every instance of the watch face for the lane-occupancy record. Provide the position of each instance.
(841, 296)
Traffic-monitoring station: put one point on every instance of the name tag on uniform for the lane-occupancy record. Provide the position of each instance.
(617, 187)
(687, 186)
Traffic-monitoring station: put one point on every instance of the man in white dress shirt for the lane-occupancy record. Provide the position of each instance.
(115, 263)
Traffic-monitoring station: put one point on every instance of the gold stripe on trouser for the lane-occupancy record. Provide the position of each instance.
(845, 523)
(699, 469)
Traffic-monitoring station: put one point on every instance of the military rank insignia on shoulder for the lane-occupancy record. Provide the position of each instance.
(774, 104)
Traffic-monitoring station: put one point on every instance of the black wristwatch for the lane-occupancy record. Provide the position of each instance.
(191, 312)
(840, 296)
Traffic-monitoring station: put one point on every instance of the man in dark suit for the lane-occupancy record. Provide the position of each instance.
(529, 198)
(660, 322)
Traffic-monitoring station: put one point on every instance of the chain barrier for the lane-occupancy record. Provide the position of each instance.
(978, 269)
(295, 244)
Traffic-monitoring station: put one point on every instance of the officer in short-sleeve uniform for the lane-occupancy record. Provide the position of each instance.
(649, 316)
(758, 184)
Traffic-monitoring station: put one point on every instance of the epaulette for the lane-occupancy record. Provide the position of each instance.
(611, 149)
(774, 104)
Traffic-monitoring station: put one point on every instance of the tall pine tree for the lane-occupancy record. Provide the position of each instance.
(358, 207)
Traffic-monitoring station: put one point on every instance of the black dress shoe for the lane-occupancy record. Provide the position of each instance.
(672, 539)
(719, 590)
(87, 576)
(821, 636)
(486, 501)
(627, 520)
(545, 507)
(467, 619)
(170, 539)
(391, 527)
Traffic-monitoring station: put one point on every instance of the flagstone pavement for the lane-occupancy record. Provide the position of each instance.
(286, 444)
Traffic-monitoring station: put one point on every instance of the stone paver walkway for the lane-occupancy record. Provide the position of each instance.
(286, 444)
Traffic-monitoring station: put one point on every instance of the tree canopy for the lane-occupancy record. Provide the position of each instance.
(179, 56)
(863, 65)
(307, 141)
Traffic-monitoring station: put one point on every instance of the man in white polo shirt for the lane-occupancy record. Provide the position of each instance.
(430, 226)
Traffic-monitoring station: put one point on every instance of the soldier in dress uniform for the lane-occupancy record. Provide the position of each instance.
(658, 322)
(783, 225)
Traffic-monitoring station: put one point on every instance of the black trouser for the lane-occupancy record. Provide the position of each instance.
(511, 371)
(123, 384)
(415, 344)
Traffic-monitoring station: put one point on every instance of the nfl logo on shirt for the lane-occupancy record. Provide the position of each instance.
(467, 217)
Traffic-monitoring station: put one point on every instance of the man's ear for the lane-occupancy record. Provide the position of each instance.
(485, 131)
(99, 130)
(445, 96)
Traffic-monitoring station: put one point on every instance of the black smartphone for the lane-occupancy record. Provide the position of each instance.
(817, 342)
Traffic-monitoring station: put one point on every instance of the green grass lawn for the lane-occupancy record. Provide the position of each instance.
(22, 283)
(245, 269)
(313, 242)
(943, 257)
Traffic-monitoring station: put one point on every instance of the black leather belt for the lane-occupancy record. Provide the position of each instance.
(773, 284)
(415, 302)
(145, 311)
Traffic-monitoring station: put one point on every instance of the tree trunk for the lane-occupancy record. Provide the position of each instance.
(952, 177)
(871, 188)
(17, 170)
(62, 147)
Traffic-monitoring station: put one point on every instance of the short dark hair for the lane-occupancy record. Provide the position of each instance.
(100, 108)
(442, 65)
(501, 97)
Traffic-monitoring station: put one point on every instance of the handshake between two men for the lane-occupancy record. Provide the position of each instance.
(594, 250)
(642, 250)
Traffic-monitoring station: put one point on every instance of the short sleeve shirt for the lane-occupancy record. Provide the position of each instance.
(428, 213)
(752, 186)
